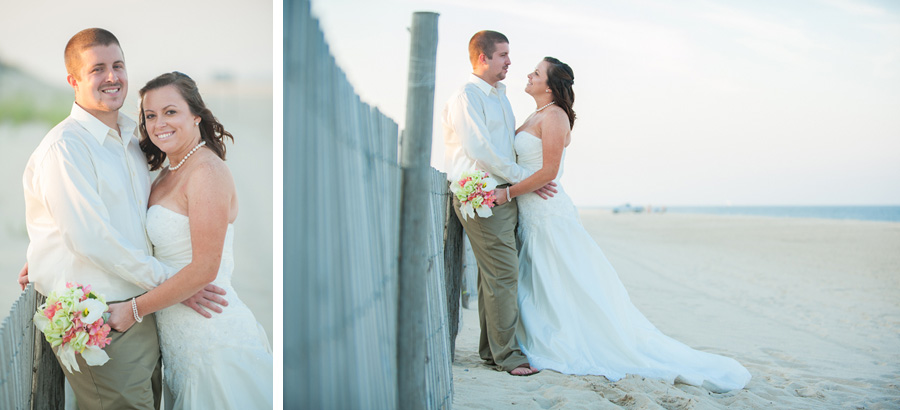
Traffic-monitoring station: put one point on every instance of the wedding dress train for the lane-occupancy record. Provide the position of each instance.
(576, 314)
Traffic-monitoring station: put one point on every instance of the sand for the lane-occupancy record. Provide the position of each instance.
(811, 307)
(247, 113)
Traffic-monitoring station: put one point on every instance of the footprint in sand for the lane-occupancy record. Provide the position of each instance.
(806, 391)
(607, 391)
(676, 403)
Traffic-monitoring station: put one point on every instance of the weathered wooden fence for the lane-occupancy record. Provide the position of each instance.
(341, 241)
(30, 377)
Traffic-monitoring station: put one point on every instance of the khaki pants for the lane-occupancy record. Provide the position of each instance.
(131, 379)
(493, 241)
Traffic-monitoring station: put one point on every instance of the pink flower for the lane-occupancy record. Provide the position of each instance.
(86, 290)
(98, 334)
(70, 334)
(489, 199)
(50, 311)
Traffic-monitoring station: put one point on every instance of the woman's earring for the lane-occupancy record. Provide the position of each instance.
(548, 90)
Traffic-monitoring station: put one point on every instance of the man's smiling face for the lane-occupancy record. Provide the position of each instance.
(102, 82)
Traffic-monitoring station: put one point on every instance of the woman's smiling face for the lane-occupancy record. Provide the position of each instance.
(169, 121)
(537, 79)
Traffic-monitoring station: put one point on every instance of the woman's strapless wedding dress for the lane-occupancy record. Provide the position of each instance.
(577, 316)
(220, 363)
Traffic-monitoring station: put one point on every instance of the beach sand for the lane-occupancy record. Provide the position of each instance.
(810, 306)
(247, 113)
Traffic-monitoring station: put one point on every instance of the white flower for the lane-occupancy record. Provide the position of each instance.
(484, 211)
(41, 321)
(490, 184)
(92, 309)
(467, 210)
(66, 357)
(94, 356)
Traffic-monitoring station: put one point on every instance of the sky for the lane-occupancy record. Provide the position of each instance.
(694, 103)
(203, 39)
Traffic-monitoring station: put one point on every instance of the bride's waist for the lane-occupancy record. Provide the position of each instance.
(559, 195)
(531, 205)
(179, 313)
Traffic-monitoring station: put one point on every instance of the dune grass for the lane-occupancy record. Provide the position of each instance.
(19, 108)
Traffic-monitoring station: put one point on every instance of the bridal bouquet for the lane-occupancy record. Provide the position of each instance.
(74, 320)
(475, 191)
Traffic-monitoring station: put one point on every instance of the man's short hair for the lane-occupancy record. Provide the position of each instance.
(87, 38)
(484, 42)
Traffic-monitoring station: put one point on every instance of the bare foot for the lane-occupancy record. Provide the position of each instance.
(524, 369)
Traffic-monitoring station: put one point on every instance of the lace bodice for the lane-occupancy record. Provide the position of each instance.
(532, 208)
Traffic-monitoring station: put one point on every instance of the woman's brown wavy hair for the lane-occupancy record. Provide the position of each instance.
(211, 130)
(560, 79)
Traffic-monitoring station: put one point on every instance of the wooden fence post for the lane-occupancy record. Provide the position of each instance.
(416, 178)
(48, 385)
(454, 252)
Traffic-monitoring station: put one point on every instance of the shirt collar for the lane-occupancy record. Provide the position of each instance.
(485, 87)
(98, 129)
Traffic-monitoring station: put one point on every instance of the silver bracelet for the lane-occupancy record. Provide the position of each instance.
(507, 195)
(134, 310)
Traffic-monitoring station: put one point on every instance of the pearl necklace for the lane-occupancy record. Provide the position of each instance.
(539, 109)
(171, 168)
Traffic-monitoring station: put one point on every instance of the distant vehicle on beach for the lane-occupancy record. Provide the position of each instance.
(627, 208)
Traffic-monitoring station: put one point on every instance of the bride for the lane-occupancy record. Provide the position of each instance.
(224, 362)
(577, 317)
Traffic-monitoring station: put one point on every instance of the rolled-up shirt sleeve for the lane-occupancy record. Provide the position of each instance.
(466, 115)
(69, 187)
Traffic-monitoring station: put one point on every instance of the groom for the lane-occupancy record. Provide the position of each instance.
(479, 128)
(86, 190)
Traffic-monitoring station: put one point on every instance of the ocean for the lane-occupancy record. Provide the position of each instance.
(889, 213)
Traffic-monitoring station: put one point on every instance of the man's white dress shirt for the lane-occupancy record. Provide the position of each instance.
(479, 129)
(86, 194)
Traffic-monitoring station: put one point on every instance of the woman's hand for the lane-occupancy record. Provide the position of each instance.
(121, 317)
(500, 196)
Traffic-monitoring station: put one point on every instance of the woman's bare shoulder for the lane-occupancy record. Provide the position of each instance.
(211, 170)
